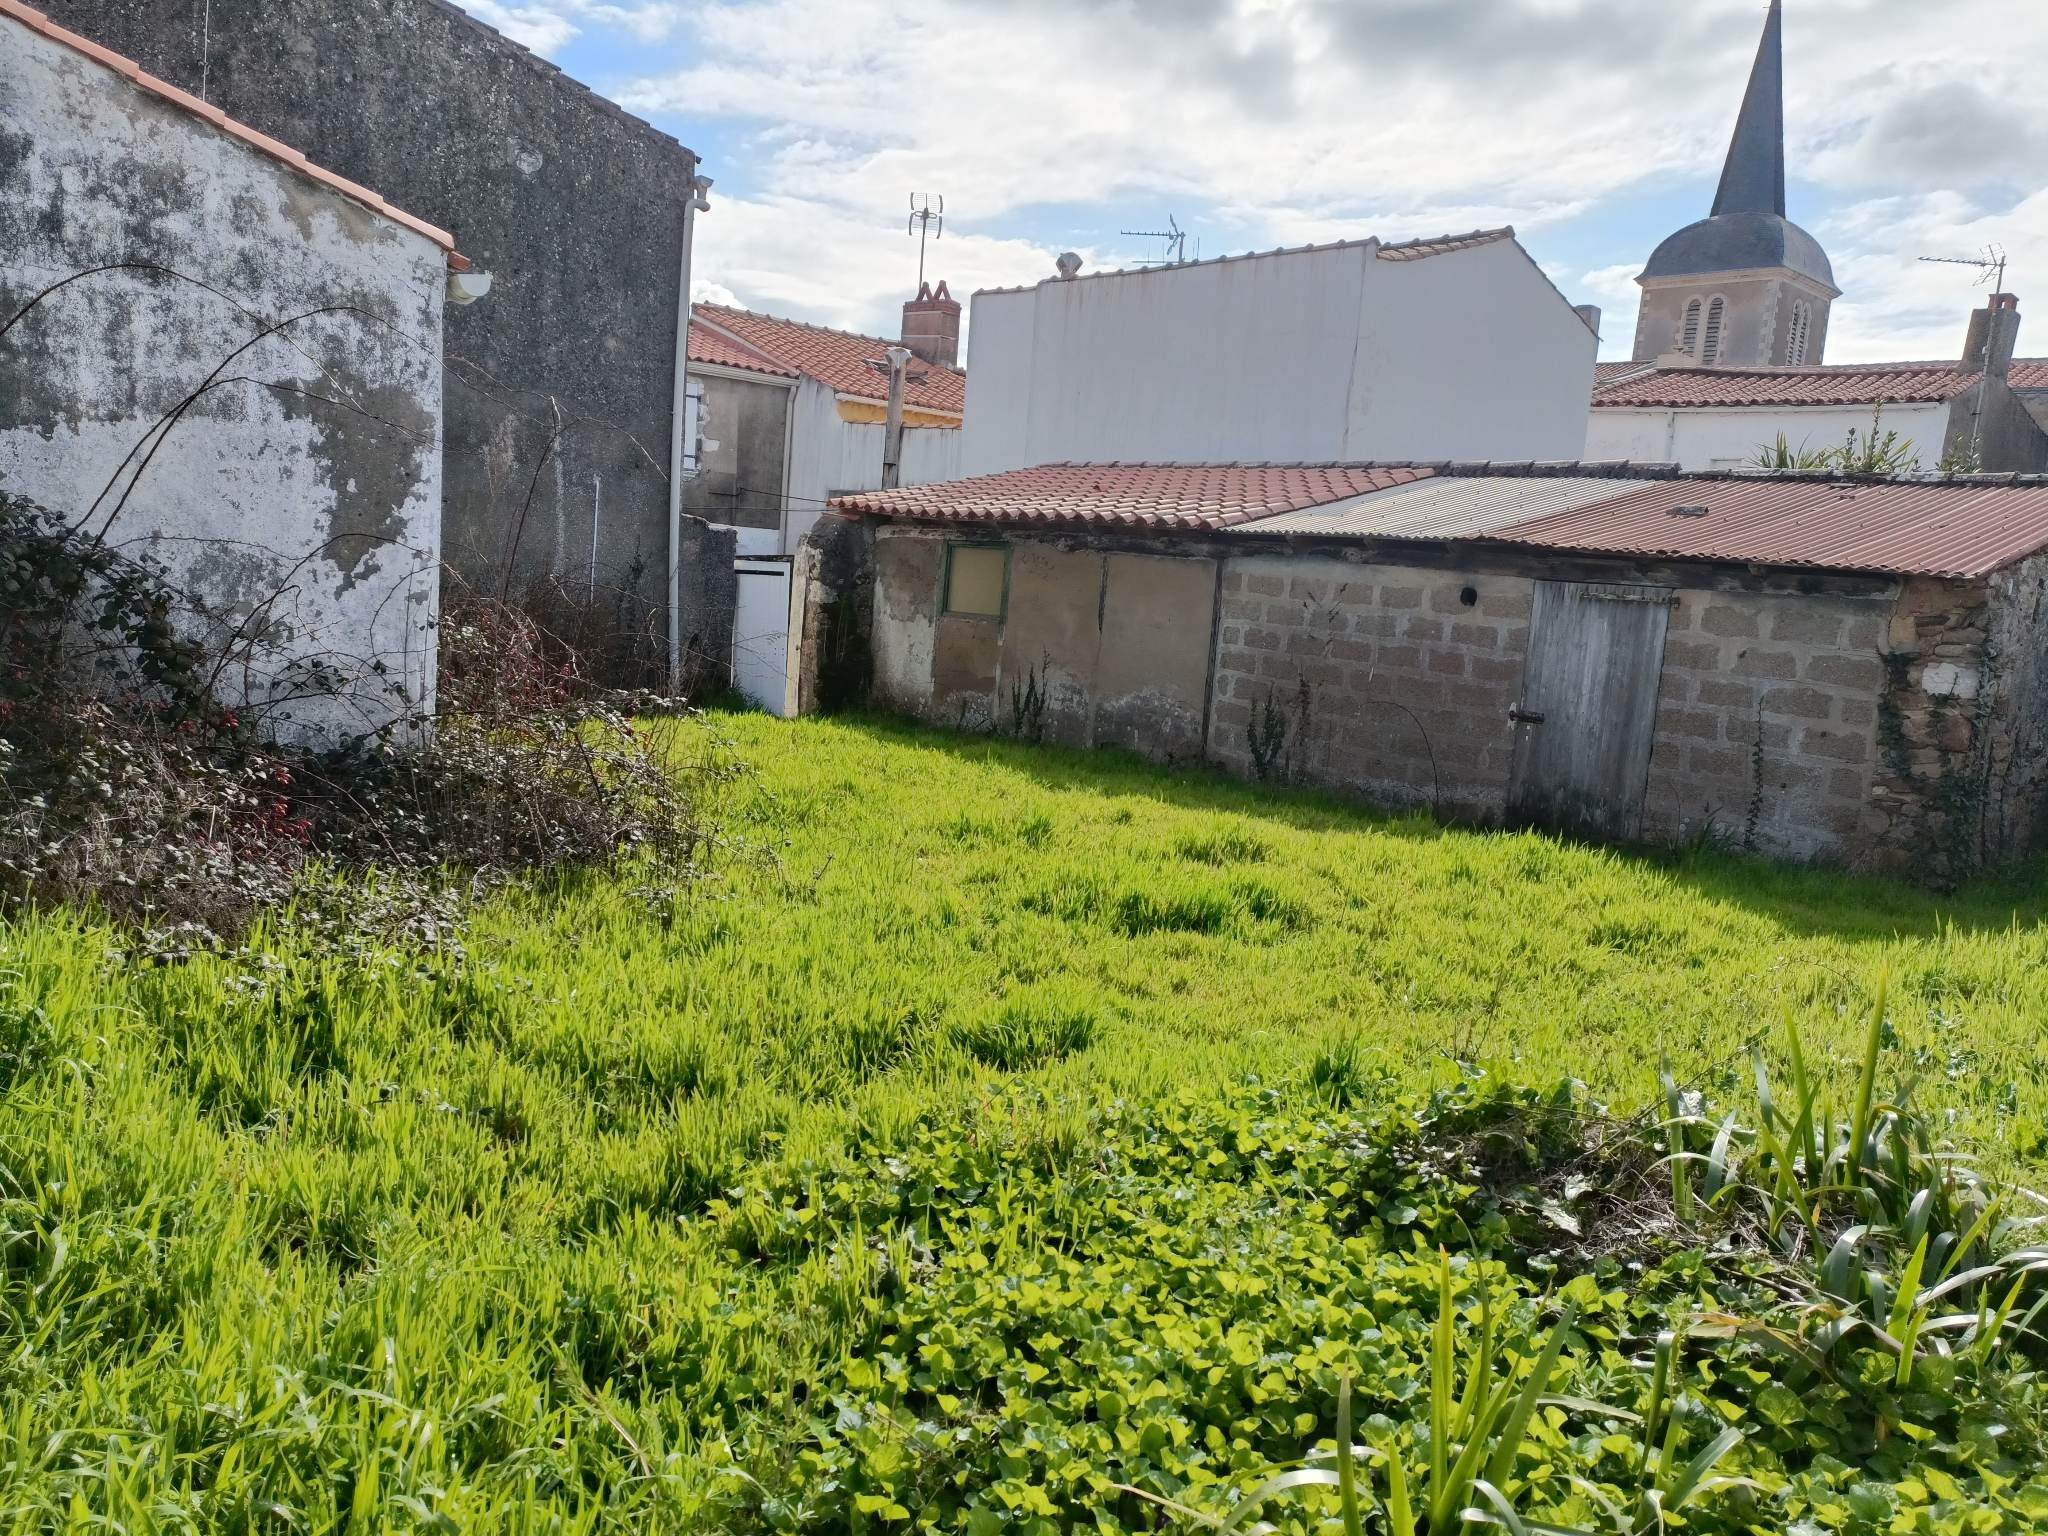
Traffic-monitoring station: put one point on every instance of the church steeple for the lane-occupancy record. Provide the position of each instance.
(1744, 287)
(1753, 181)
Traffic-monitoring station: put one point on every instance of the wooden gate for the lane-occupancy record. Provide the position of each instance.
(1588, 711)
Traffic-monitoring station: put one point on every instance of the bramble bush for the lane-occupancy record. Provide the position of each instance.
(128, 784)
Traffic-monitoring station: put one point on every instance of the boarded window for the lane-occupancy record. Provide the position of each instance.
(977, 579)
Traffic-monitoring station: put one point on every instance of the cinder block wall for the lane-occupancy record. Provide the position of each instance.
(1391, 681)
(1767, 722)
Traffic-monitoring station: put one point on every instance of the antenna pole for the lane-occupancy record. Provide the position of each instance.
(925, 211)
(1990, 263)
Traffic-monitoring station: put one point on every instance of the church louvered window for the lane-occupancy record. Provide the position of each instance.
(1689, 339)
(1800, 334)
(1710, 339)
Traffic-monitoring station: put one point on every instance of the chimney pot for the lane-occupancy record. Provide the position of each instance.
(931, 325)
(1590, 313)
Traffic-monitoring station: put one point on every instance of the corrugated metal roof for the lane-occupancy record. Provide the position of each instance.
(1441, 508)
(1955, 529)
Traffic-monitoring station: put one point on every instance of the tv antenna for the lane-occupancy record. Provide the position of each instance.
(1173, 251)
(925, 211)
(1990, 265)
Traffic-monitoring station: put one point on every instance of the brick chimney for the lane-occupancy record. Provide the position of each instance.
(931, 325)
(1994, 334)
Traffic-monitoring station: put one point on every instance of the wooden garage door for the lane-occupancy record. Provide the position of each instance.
(1588, 711)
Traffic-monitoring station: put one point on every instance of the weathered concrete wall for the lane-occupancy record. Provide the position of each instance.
(832, 602)
(299, 499)
(740, 482)
(1385, 679)
(1767, 721)
(2009, 439)
(564, 374)
(710, 598)
(1116, 642)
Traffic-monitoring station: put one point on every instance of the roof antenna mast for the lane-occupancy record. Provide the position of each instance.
(1990, 265)
(926, 211)
(1173, 253)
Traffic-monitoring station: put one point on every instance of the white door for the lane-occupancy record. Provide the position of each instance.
(760, 632)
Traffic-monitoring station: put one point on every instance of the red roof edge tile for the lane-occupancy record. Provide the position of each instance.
(36, 21)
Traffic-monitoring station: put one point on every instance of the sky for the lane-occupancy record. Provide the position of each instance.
(1595, 127)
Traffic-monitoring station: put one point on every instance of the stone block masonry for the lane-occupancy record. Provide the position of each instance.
(1766, 732)
(1388, 680)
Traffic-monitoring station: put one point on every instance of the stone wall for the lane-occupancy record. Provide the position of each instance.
(1388, 680)
(1767, 722)
(293, 489)
(563, 375)
(1964, 723)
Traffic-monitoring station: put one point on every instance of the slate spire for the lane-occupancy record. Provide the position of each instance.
(1753, 181)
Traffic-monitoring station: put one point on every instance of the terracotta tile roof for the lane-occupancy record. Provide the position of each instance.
(1956, 528)
(709, 346)
(1165, 497)
(1851, 384)
(1607, 373)
(837, 358)
(1442, 245)
(36, 21)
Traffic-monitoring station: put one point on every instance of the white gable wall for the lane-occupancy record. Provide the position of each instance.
(1315, 355)
(1468, 355)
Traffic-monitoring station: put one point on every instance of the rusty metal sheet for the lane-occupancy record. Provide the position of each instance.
(1903, 528)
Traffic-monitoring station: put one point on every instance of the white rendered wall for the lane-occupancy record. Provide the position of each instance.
(301, 495)
(1698, 439)
(1301, 355)
(830, 455)
(1468, 355)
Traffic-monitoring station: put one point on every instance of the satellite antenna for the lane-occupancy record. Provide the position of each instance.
(925, 211)
(1174, 249)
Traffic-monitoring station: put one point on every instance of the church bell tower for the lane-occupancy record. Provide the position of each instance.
(1744, 287)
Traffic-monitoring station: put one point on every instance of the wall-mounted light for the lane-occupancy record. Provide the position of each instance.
(468, 287)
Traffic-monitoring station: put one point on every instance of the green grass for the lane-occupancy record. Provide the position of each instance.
(632, 1220)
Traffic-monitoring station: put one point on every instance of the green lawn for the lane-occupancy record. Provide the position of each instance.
(720, 1214)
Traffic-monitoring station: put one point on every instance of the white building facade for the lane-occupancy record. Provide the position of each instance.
(1458, 348)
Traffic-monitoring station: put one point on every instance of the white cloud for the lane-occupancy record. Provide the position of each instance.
(1285, 122)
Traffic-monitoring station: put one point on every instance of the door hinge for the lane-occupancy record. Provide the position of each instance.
(1523, 716)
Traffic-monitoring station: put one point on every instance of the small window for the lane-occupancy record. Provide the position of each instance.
(1689, 339)
(977, 579)
(1710, 342)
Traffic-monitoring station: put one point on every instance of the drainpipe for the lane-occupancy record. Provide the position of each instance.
(698, 201)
